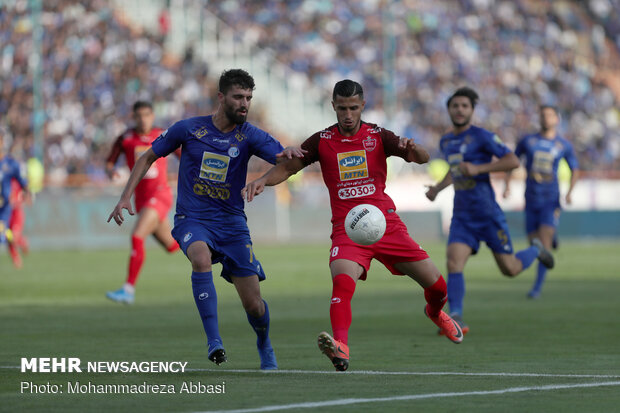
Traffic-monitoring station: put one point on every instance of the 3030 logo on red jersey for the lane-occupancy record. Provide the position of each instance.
(356, 191)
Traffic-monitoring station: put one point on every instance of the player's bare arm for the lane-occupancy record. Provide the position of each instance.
(573, 180)
(279, 173)
(415, 153)
(142, 166)
(507, 179)
(433, 190)
(506, 163)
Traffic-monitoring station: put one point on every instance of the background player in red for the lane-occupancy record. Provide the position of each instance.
(16, 224)
(353, 156)
(153, 197)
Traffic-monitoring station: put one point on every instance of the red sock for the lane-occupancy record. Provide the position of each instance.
(436, 296)
(173, 247)
(340, 309)
(135, 260)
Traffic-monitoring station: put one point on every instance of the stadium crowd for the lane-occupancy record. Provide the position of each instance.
(517, 54)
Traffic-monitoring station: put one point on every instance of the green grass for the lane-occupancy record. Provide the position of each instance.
(55, 307)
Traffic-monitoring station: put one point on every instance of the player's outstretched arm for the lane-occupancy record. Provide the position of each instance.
(414, 152)
(506, 163)
(433, 190)
(142, 165)
(279, 173)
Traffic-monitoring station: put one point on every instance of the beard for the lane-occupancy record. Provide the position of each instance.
(460, 124)
(235, 117)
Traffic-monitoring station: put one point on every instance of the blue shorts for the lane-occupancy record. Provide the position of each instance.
(493, 231)
(537, 216)
(229, 242)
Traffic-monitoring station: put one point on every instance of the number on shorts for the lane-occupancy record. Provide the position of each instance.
(249, 246)
(501, 234)
(334, 251)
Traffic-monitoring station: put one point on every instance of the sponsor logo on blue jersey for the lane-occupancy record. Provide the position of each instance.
(214, 167)
(215, 163)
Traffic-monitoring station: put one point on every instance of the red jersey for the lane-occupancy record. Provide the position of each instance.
(354, 167)
(17, 195)
(132, 144)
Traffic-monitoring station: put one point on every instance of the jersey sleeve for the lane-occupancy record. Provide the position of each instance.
(569, 155)
(390, 144)
(265, 146)
(170, 139)
(312, 146)
(495, 146)
(116, 150)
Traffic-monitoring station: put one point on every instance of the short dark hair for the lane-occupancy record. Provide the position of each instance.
(347, 88)
(552, 107)
(238, 77)
(142, 104)
(468, 93)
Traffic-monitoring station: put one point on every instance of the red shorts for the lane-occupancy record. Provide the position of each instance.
(160, 201)
(395, 246)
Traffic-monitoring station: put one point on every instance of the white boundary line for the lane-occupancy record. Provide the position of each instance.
(399, 373)
(342, 402)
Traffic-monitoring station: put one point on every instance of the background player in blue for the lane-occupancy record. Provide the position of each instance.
(9, 169)
(542, 152)
(210, 225)
(476, 215)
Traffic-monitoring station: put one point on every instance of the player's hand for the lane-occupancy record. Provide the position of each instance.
(469, 169)
(290, 152)
(569, 198)
(252, 189)
(407, 144)
(117, 214)
(506, 193)
(431, 192)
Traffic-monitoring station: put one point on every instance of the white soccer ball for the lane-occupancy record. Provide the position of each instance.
(365, 224)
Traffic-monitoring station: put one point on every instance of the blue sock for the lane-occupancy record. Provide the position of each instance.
(206, 301)
(261, 326)
(527, 256)
(456, 292)
(540, 277)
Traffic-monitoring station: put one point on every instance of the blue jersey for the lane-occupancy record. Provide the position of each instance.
(9, 169)
(213, 164)
(542, 157)
(474, 198)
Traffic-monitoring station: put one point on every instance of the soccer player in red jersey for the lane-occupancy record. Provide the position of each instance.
(16, 224)
(153, 197)
(352, 155)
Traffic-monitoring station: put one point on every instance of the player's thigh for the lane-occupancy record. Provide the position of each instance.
(199, 255)
(344, 266)
(148, 220)
(425, 272)
(457, 255)
(248, 289)
(163, 233)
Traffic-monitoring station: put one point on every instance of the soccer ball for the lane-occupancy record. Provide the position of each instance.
(365, 224)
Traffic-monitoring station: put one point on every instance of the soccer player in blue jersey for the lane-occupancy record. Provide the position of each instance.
(542, 152)
(476, 215)
(9, 169)
(210, 224)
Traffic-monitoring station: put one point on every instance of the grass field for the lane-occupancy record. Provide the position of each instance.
(560, 352)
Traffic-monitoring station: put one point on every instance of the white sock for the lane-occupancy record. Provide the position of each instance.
(129, 289)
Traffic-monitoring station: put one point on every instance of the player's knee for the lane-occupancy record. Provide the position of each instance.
(454, 265)
(254, 307)
(201, 263)
(510, 271)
